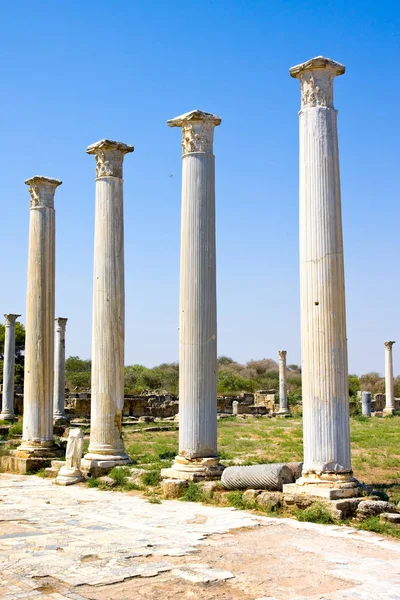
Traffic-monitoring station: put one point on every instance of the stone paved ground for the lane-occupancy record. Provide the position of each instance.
(75, 542)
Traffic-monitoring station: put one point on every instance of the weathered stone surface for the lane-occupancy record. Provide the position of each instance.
(369, 508)
(197, 573)
(135, 475)
(299, 500)
(322, 491)
(108, 481)
(270, 477)
(251, 495)
(390, 518)
(173, 488)
(269, 500)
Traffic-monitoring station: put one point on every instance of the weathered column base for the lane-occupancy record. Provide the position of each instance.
(7, 416)
(196, 469)
(94, 465)
(332, 486)
(38, 450)
(60, 419)
(28, 459)
(68, 476)
(283, 412)
(388, 411)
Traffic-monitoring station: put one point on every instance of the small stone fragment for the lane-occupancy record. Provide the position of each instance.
(173, 488)
(390, 518)
(269, 500)
(370, 508)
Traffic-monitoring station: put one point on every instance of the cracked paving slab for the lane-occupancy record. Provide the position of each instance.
(78, 543)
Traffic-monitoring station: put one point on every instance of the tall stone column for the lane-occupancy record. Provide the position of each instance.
(198, 455)
(106, 447)
(37, 437)
(389, 388)
(323, 316)
(59, 372)
(283, 406)
(7, 411)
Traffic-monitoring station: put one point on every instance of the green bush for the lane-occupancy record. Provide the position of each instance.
(120, 475)
(193, 493)
(151, 478)
(317, 513)
(15, 429)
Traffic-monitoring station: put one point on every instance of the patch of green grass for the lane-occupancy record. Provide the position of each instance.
(15, 429)
(317, 513)
(41, 472)
(4, 450)
(93, 482)
(120, 475)
(154, 499)
(378, 526)
(151, 478)
(193, 493)
(236, 500)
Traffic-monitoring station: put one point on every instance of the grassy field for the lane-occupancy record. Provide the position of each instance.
(375, 445)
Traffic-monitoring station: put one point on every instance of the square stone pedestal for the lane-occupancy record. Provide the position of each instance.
(97, 468)
(22, 462)
(321, 490)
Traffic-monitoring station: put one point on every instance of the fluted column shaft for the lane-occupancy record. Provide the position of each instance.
(39, 336)
(59, 371)
(7, 411)
(108, 306)
(389, 385)
(198, 307)
(283, 406)
(323, 317)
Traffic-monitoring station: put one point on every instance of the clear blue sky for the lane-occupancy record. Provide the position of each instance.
(75, 72)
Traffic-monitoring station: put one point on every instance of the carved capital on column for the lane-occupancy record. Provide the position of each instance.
(282, 354)
(42, 190)
(10, 319)
(61, 323)
(109, 157)
(197, 131)
(316, 81)
(389, 345)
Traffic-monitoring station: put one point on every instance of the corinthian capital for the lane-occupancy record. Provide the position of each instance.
(197, 131)
(42, 190)
(282, 354)
(10, 319)
(389, 345)
(316, 81)
(109, 157)
(61, 323)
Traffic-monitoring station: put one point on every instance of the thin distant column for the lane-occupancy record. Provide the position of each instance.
(106, 444)
(198, 455)
(59, 372)
(366, 399)
(283, 405)
(389, 387)
(323, 318)
(37, 435)
(7, 411)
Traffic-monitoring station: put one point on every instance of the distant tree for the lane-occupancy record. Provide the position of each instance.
(77, 372)
(19, 352)
(354, 385)
(295, 368)
(229, 383)
(224, 360)
(372, 382)
(263, 366)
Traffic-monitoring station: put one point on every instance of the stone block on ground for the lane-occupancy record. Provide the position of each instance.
(269, 500)
(372, 508)
(135, 475)
(390, 518)
(173, 488)
(251, 495)
(107, 481)
(327, 491)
